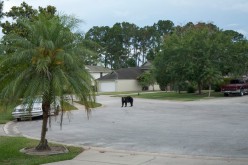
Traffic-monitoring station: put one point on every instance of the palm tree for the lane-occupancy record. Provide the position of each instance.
(48, 62)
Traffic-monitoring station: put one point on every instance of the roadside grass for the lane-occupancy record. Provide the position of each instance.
(183, 96)
(121, 93)
(162, 95)
(5, 113)
(10, 152)
(92, 104)
(68, 106)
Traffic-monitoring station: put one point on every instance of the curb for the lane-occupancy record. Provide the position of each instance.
(5, 129)
(15, 130)
(133, 153)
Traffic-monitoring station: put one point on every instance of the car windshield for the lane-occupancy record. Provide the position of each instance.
(34, 100)
(236, 82)
(38, 100)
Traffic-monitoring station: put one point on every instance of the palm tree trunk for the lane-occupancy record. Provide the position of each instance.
(43, 145)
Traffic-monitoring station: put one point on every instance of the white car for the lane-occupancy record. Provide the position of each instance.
(22, 112)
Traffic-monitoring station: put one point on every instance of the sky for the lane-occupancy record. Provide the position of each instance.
(226, 14)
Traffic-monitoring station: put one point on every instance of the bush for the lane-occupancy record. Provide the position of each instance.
(217, 87)
(162, 87)
(191, 89)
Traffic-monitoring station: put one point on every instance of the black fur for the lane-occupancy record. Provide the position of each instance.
(125, 100)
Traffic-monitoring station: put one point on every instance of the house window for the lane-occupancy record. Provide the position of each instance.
(100, 74)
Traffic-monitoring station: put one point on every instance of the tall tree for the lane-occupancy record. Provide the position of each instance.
(116, 44)
(47, 62)
(24, 11)
(235, 55)
(190, 51)
(98, 36)
(161, 29)
(130, 37)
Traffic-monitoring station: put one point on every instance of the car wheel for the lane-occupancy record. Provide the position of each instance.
(57, 110)
(241, 92)
(18, 119)
(226, 94)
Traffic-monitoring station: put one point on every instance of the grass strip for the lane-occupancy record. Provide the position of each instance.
(10, 152)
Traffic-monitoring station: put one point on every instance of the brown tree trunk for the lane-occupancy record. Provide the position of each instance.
(209, 90)
(200, 87)
(43, 145)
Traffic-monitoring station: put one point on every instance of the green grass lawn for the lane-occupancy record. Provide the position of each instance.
(120, 93)
(92, 104)
(10, 154)
(161, 95)
(183, 96)
(69, 107)
(5, 114)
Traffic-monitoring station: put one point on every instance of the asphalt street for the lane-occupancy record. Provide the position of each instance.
(216, 128)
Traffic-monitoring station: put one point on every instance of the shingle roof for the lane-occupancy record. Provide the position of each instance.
(124, 73)
(98, 69)
(147, 65)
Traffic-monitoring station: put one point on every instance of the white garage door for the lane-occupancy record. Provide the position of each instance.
(107, 87)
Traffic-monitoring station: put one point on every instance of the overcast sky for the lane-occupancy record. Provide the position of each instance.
(226, 14)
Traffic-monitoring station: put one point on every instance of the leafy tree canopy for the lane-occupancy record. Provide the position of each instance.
(24, 11)
(191, 50)
(146, 79)
(125, 44)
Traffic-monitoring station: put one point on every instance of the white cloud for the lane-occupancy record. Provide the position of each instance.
(233, 25)
(242, 31)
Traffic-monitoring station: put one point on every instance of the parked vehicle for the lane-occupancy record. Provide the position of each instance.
(236, 86)
(25, 111)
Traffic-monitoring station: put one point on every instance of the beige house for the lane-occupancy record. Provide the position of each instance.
(124, 79)
(97, 72)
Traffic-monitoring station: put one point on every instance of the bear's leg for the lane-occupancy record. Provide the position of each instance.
(122, 101)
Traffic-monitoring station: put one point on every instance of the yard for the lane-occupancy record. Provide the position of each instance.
(11, 155)
(161, 95)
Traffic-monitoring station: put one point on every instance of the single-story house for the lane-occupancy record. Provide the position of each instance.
(124, 79)
(97, 72)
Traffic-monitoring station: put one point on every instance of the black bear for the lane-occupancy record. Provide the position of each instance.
(125, 100)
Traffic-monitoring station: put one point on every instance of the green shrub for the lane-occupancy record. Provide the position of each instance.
(191, 89)
(217, 87)
(162, 87)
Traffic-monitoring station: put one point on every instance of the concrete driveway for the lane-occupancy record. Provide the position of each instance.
(203, 128)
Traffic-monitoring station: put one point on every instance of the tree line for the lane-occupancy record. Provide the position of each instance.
(198, 53)
(127, 45)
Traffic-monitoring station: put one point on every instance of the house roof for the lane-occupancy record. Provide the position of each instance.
(98, 69)
(124, 73)
(147, 65)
